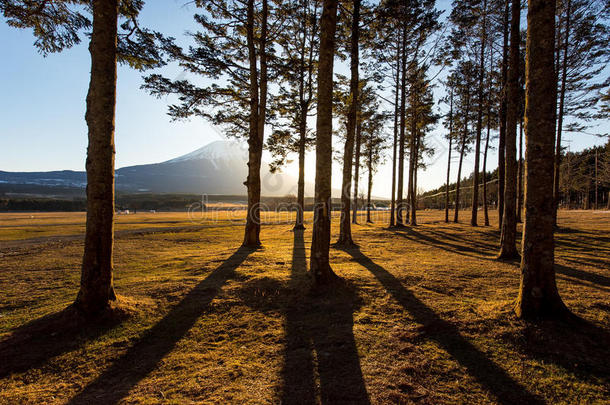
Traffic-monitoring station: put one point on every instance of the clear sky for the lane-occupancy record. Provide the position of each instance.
(42, 107)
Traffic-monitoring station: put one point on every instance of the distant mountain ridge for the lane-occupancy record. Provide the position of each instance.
(217, 168)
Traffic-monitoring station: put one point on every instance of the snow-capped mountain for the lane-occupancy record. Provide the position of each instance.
(218, 168)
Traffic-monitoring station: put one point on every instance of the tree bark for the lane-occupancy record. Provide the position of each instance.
(485, 207)
(370, 186)
(502, 134)
(345, 230)
(320, 264)
(357, 169)
(520, 175)
(449, 156)
(538, 295)
(479, 130)
(401, 142)
(394, 144)
(562, 96)
(96, 286)
(257, 125)
(413, 191)
(508, 248)
(462, 149)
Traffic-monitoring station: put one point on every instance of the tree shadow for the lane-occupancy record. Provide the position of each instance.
(579, 346)
(583, 275)
(36, 342)
(492, 377)
(144, 356)
(321, 358)
(442, 243)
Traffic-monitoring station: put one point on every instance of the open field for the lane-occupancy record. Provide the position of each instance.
(424, 317)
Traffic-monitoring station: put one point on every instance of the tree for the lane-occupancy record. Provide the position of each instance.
(374, 143)
(320, 244)
(233, 50)
(298, 41)
(449, 136)
(582, 55)
(57, 25)
(538, 295)
(508, 236)
(345, 230)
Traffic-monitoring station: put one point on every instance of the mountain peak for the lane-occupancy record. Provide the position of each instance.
(214, 151)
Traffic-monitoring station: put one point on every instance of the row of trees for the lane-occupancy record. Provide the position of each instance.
(270, 63)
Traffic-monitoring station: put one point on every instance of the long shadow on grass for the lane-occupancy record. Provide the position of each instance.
(488, 374)
(320, 324)
(144, 356)
(35, 343)
(583, 275)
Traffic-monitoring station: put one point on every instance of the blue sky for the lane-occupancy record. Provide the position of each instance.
(42, 109)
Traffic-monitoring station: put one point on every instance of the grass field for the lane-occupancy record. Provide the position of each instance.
(424, 317)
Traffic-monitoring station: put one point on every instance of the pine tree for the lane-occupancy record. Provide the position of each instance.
(345, 230)
(58, 25)
(538, 295)
(234, 50)
(508, 248)
(320, 262)
(298, 43)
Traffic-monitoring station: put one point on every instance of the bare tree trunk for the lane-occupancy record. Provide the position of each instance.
(357, 169)
(299, 224)
(413, 191)
(370, 186)
(562, 96)
(401, 154)
(508, 248)
(520, 174)
(345, 230)
(257, 125)
(485, 208)
(449, 156)
(320, 244)
(462, 149)
(477, 152)
(538, 295)
(96, 286)
(502, 135)
(394, 144)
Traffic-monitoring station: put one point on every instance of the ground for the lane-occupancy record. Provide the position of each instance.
(424, 316)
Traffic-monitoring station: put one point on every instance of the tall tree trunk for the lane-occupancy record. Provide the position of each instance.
(370, 186)
(345, 229)
(257, 126)
(502, 135)
(413, 191)
(401, 153)
(462, 150)
(508, 247)
(320, 243)
(485, 207)
(477, 151)
(449, 155)
(299, 224)
(520, 174)
(412, 146)
(357, 168)
(96, 286)
(305, 103)
(560, 113)
(538, 295)
(394, 144)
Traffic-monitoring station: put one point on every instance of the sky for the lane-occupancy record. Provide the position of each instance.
(42, 109)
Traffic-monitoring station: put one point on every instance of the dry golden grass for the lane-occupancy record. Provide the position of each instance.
(424, 317)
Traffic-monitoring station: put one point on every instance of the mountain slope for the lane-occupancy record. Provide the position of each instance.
(218, 168)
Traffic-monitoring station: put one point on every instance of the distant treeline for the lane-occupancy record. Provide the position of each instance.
(156, 202)
(579, 174)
